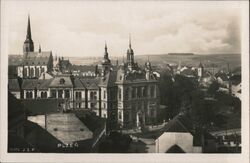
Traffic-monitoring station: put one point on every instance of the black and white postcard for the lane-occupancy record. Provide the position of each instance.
(119, 81)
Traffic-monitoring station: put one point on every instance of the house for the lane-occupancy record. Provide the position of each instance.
(180, 136)
(176, 137)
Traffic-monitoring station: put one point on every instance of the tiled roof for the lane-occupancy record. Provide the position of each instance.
(109, 79)
(90, 83)
(36, 83)
(13, 85)
(67, 128)
(222, 75)
(15, 60)
(84, 68)
(61, 81)
(188, 72)
(78, 83)
(36, 58)
(179, 124)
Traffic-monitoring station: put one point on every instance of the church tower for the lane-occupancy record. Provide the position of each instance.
(130, 56)
(28, 45)
(200, 70)
(106, 64)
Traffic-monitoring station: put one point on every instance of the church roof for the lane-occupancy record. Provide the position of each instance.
(36, 58)
(15, 60)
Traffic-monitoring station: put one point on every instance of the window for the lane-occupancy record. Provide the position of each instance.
(62, 81)
(43, 69)
(29, 94)
(92, 105)
(119, 94)
(60, 93)
(79, 105)
(104, 94)
(78, 95)
(104, 105)
(53, 93)
(93, 96)
(139, 92)
(67, 94)
(126, 94)
(43, 94)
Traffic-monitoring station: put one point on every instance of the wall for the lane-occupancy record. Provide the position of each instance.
(183, 140)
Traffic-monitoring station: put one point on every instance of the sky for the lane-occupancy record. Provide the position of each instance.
(80, 28)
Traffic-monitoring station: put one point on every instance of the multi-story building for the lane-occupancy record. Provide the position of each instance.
(137, 93)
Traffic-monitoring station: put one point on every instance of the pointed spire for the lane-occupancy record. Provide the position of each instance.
(106, 46)
(130, 41)
(28, 35)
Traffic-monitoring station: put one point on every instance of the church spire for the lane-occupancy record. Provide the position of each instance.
(130, 41)
(28, 43)
(28, 35)
(106, 49)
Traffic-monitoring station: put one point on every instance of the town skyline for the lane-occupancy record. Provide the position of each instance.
(213, 37)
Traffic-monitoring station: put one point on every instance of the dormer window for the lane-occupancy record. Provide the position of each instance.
(62, 81)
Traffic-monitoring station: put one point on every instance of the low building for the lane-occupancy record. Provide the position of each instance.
(176, 137)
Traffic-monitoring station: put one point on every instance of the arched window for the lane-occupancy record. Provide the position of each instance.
(67, 94)
(28, 94)
(37, 72)
(91, 95)
(43, 94)
(32, 72)
(25, 72)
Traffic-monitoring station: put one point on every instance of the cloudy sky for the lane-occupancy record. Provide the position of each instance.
(80, 28)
